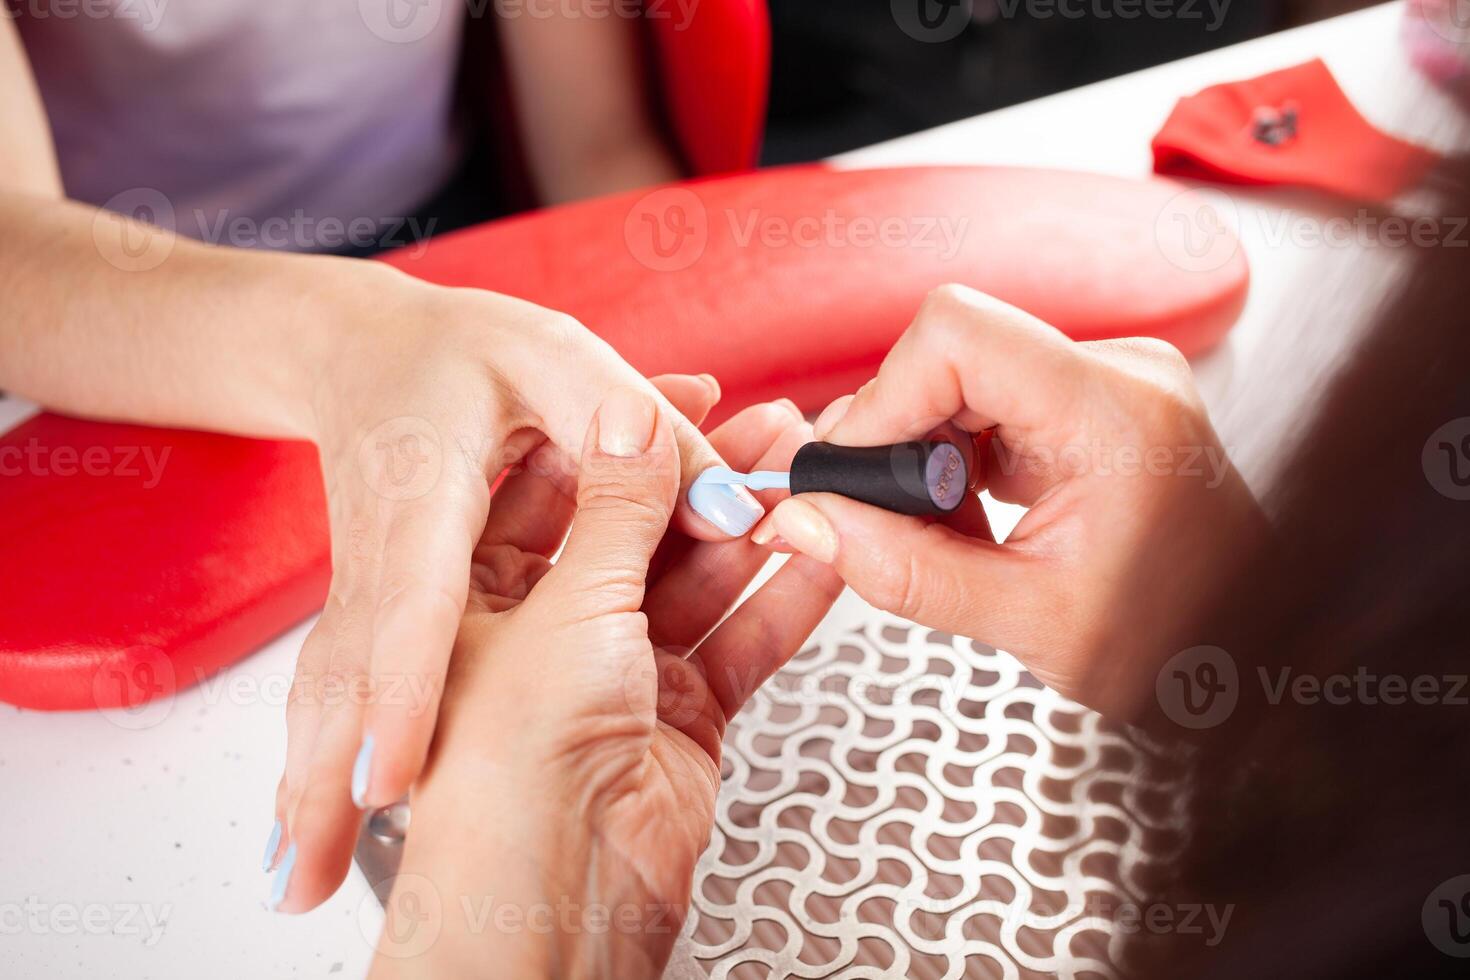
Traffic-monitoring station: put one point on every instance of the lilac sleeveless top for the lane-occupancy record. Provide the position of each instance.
(283, 124)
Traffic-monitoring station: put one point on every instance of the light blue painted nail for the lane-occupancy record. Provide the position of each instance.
(272, 843)
(361, 769)
(728, 506)
(282, 879)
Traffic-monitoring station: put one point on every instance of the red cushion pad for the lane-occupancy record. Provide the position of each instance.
(780, 282)
(122, 581)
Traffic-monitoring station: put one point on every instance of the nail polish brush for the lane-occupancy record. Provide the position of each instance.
(920, 478)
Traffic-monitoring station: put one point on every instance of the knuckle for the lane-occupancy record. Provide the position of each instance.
(413, 597)
(622, 502)
(896, 588)
(950, 297)
(561, 333)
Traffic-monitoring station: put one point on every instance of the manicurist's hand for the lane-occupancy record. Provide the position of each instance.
(1132, 499)
(572, 782)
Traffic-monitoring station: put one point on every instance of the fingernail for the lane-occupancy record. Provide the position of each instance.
(730, 508)
(362, 769)
(806, 529)
(272, 844)
(791, 407)
(830, 416)
(282, 879)
(713, 382)
(625, 422)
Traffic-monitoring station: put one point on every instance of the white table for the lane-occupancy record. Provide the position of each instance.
(170, 820)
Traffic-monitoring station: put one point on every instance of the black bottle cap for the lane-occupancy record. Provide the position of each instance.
(919, 478)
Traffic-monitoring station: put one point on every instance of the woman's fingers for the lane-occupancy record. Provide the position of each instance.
(696, 590)
(747, 648)
(533, 506)
(926, 572)
(966, 357)
(421, 596)
(625, 497)
(323, 824)
(562, 407)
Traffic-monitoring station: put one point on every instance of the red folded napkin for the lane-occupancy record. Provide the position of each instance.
(1294, 126)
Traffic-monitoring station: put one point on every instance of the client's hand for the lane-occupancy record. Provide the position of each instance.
(571, 784)
(1132, 500)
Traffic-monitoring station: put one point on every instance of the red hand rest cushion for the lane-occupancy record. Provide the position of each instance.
(794, 282)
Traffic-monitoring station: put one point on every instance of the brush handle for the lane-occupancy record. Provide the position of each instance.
(919, 478)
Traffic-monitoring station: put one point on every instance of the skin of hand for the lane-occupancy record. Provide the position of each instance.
(417, 397)
(1133, 505)
(571, 786)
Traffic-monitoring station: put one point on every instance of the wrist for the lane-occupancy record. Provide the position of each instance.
(348, 312)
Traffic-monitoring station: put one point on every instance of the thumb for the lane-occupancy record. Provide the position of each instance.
(626, 492)
(921, 571)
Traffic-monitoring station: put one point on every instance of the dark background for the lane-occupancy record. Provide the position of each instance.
(845, 74)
